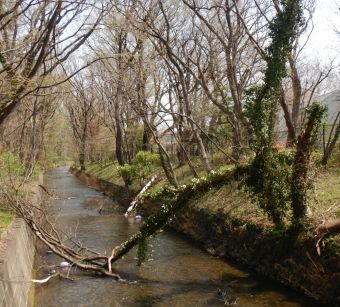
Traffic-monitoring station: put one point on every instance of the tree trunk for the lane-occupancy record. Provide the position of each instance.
(332, 141)
(203, 151)
(236, 144)
(30, 163)
(166, 164)
(164, 157)
(82, 155)
(297, 92)
(304, 147)
(291, 136)
(146, 143)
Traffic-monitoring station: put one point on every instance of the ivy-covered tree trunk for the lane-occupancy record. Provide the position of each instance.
(268, 176)
(274, 183)
(332, 140)
(304, 147)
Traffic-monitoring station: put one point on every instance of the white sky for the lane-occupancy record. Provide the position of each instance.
(324, 43)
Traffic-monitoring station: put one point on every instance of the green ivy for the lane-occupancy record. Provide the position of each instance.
(269, 178)
(142, 251)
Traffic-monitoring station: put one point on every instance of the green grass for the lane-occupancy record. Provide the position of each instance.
(325, 199)
(107, 172)
(233, 200)
(6, 218)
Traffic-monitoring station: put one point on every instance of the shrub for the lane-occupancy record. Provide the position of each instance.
(127, 172)
(140, 167)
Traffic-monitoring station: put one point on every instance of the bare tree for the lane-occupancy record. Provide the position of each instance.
(82, 114)
(25, 129)
(37, 37)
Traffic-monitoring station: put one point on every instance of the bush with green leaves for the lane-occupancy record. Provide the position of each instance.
(141, 166)
(127, 172)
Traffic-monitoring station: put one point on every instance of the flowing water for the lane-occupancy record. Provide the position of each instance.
(177, 273)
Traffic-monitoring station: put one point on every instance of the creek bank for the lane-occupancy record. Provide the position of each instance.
(17, 251)
(273, 254)
(121, 194)
(263, 249)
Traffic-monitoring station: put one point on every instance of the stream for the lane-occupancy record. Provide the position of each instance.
(177, 272)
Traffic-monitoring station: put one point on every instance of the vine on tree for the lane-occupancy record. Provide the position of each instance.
(269, 176)
(300, 182)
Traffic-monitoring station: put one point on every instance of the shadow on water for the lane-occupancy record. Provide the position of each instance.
(177, 273)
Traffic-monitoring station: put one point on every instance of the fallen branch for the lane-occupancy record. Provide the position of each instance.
(45, 190)
(38, 221)
(134, 203)
(324, 229)
(45, 280)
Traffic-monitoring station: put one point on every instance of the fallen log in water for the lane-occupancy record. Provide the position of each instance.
(134, 203)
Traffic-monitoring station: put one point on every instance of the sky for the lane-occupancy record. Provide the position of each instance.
(324, 43)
